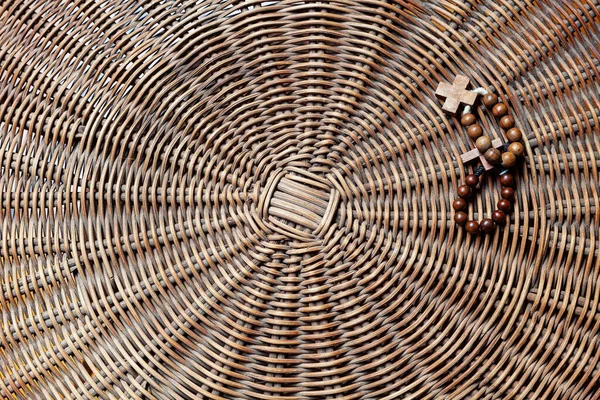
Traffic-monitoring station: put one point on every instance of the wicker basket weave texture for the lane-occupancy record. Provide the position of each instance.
(252, 200)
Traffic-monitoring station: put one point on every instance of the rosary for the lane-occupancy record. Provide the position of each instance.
(491, 153)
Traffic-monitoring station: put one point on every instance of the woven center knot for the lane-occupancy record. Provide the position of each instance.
(299, 204)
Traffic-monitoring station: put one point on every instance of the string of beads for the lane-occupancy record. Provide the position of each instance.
(504, 160)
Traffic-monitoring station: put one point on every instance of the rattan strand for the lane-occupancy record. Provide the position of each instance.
(252, 200)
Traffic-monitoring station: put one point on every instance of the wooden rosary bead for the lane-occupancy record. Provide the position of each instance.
(460, 218)
(483, 143)
(490, 100)
(499, 217)
(472, 180)
(506, 179)
(493, 156)
(514, 135)
(459, 204)
(499, 110)
(503, 205)
(472, 226)
(507, 193)
(468, 119)
(475, 131)
(464, 191)
(508, 159)
(486, 225)
(507, 122)
(516, 148)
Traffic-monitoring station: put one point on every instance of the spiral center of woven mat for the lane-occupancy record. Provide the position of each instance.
(299, 204)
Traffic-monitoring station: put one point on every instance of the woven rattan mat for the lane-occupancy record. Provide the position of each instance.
(253, 200)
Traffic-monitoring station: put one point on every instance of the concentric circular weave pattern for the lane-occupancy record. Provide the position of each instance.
(246, 200)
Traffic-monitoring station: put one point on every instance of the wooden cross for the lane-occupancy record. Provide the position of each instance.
(475, 153)
(455, 94)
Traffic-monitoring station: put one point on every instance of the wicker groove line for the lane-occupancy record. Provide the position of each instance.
(252, 200)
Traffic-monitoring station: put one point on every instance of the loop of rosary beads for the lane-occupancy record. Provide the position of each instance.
(505, 160)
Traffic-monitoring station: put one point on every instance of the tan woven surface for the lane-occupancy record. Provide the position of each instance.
(252, 200)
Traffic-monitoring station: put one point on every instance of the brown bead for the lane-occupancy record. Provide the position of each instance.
(516, 148)
(459, 204)
(507, 122)
(500, 110)
(508, 159)
(490, 100)
(507, 193)
(493, 156)
(475, 131)
(464, 191)
(483, 143)
(514, 135)
(472, 226)
(503, 205)
(486, 225)
(499, 217)
(460, 218)
(468, 119)
(507, 179)
(472, 180)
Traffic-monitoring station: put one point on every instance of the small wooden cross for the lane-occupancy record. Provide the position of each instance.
(475, 153)
(455, 94)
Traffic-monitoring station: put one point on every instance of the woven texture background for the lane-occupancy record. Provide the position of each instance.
(246, 200)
